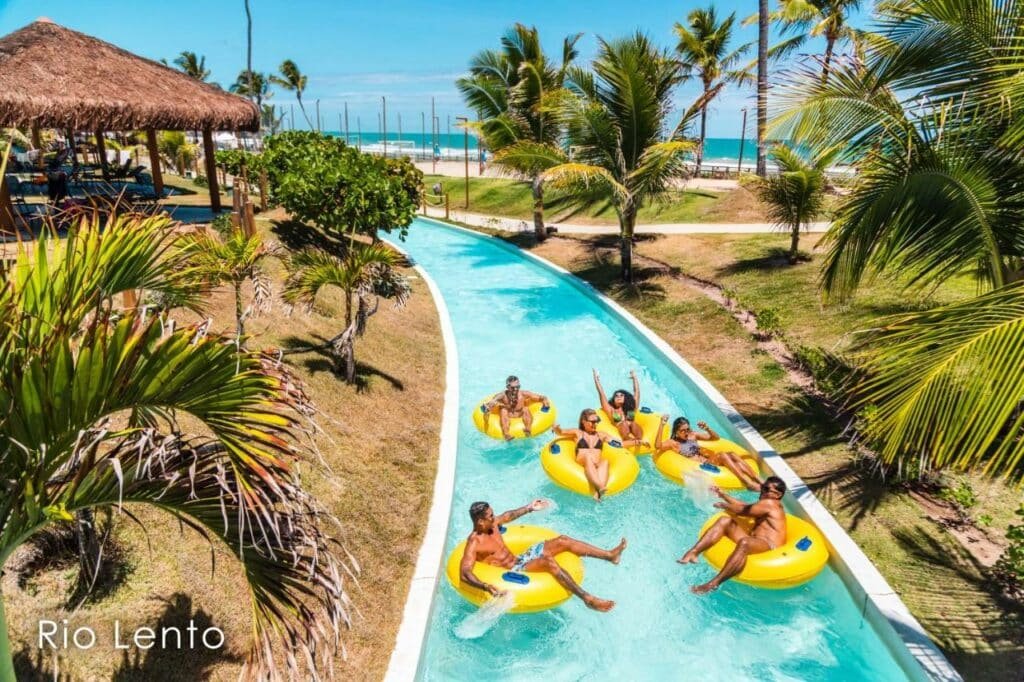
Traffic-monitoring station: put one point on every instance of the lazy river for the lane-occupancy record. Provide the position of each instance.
(513, 315)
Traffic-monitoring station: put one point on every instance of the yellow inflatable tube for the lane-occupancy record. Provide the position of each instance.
(543, 419)
(675, 466)
(533, 591)
(559, 461)
(646, 419)
(801, 558)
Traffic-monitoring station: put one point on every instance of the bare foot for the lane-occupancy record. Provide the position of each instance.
(508, 437)
(597, 496)
(688, 558)
(617, 552)
(703, 589)
(598, 604)
(526, 433)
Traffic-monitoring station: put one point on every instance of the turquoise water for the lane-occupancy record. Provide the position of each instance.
(512, 315)
(717, 150)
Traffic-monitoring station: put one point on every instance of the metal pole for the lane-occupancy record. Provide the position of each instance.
(433, 134)
(743, 137)
(465, 131)
(384, 118)
(292, 116)
(347, 140)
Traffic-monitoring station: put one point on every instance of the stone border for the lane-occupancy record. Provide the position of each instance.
(405, 657)
(905, 637)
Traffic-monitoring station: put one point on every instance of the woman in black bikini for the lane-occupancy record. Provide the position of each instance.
(686, 442)
(589, 444)
(621, 407)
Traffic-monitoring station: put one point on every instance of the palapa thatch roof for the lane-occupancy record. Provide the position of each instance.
(54, 77)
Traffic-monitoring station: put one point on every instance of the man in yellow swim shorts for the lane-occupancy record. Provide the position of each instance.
(769, 530)
(511, 403)
(486, 544)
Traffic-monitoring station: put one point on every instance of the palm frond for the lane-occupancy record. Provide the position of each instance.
(529, 158)
(944, 387)
(573, 176)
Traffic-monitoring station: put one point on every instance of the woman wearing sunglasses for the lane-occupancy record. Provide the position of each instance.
(590, 444)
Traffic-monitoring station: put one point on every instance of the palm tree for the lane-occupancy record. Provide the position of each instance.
(176, 150)
(364, 273)
(704, 49)
(93, 396)
(924, 116)
(615, 117)
(795, 196)
(192, 65)
(254, 85)
(269, 119)
(511, 90)
(235, 260)
(292, 79)
(762, 86)
(813, 18)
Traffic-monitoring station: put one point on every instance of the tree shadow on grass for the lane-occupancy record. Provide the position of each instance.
(296, 236)
(774, 259)
(158, 663)
(960, 604)
(605, 274)
(320, 360)
(172, 663)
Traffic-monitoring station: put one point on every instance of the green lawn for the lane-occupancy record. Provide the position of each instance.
(513, 199)
(940, 581)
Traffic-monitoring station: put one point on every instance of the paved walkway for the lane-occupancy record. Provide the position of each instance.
(514, 225)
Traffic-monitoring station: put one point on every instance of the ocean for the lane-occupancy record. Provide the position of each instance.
(721, 151)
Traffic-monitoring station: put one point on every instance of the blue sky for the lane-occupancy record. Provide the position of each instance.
(357, 51)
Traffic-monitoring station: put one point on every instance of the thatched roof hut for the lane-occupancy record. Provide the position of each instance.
(53, 77)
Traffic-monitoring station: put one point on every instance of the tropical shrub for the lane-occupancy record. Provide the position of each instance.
(322, 181)
(1011, 563)
(175, 150)
(94, 399)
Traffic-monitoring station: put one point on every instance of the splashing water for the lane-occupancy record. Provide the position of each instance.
(698, 487)
(483, 619)
(550, 507)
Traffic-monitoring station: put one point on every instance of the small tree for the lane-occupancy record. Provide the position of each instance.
(321, 180)
(365, 273)
(234, 259)
(795, 196)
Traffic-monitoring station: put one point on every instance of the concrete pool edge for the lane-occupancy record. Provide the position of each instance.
(904, 636)
(412, 631)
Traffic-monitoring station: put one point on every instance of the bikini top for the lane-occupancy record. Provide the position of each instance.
(582, 444)
(689, 448)
(617, 417)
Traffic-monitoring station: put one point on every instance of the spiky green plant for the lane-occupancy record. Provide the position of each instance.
(364, 274)
(828, 19)
(616, 119)
(91, 396)
(512, 90)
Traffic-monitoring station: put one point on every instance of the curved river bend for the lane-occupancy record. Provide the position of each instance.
(512, 315)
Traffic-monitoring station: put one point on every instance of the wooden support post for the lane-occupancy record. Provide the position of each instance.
(211, 170)
(249, 220)
(101, 151)
(154, 162)
(37, 143)
(264, 190)
(7, 215)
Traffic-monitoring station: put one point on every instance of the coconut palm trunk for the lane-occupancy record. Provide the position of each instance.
(627, 223)
(762, 86)
(539, 228)
(830, 45)
(703, 131)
